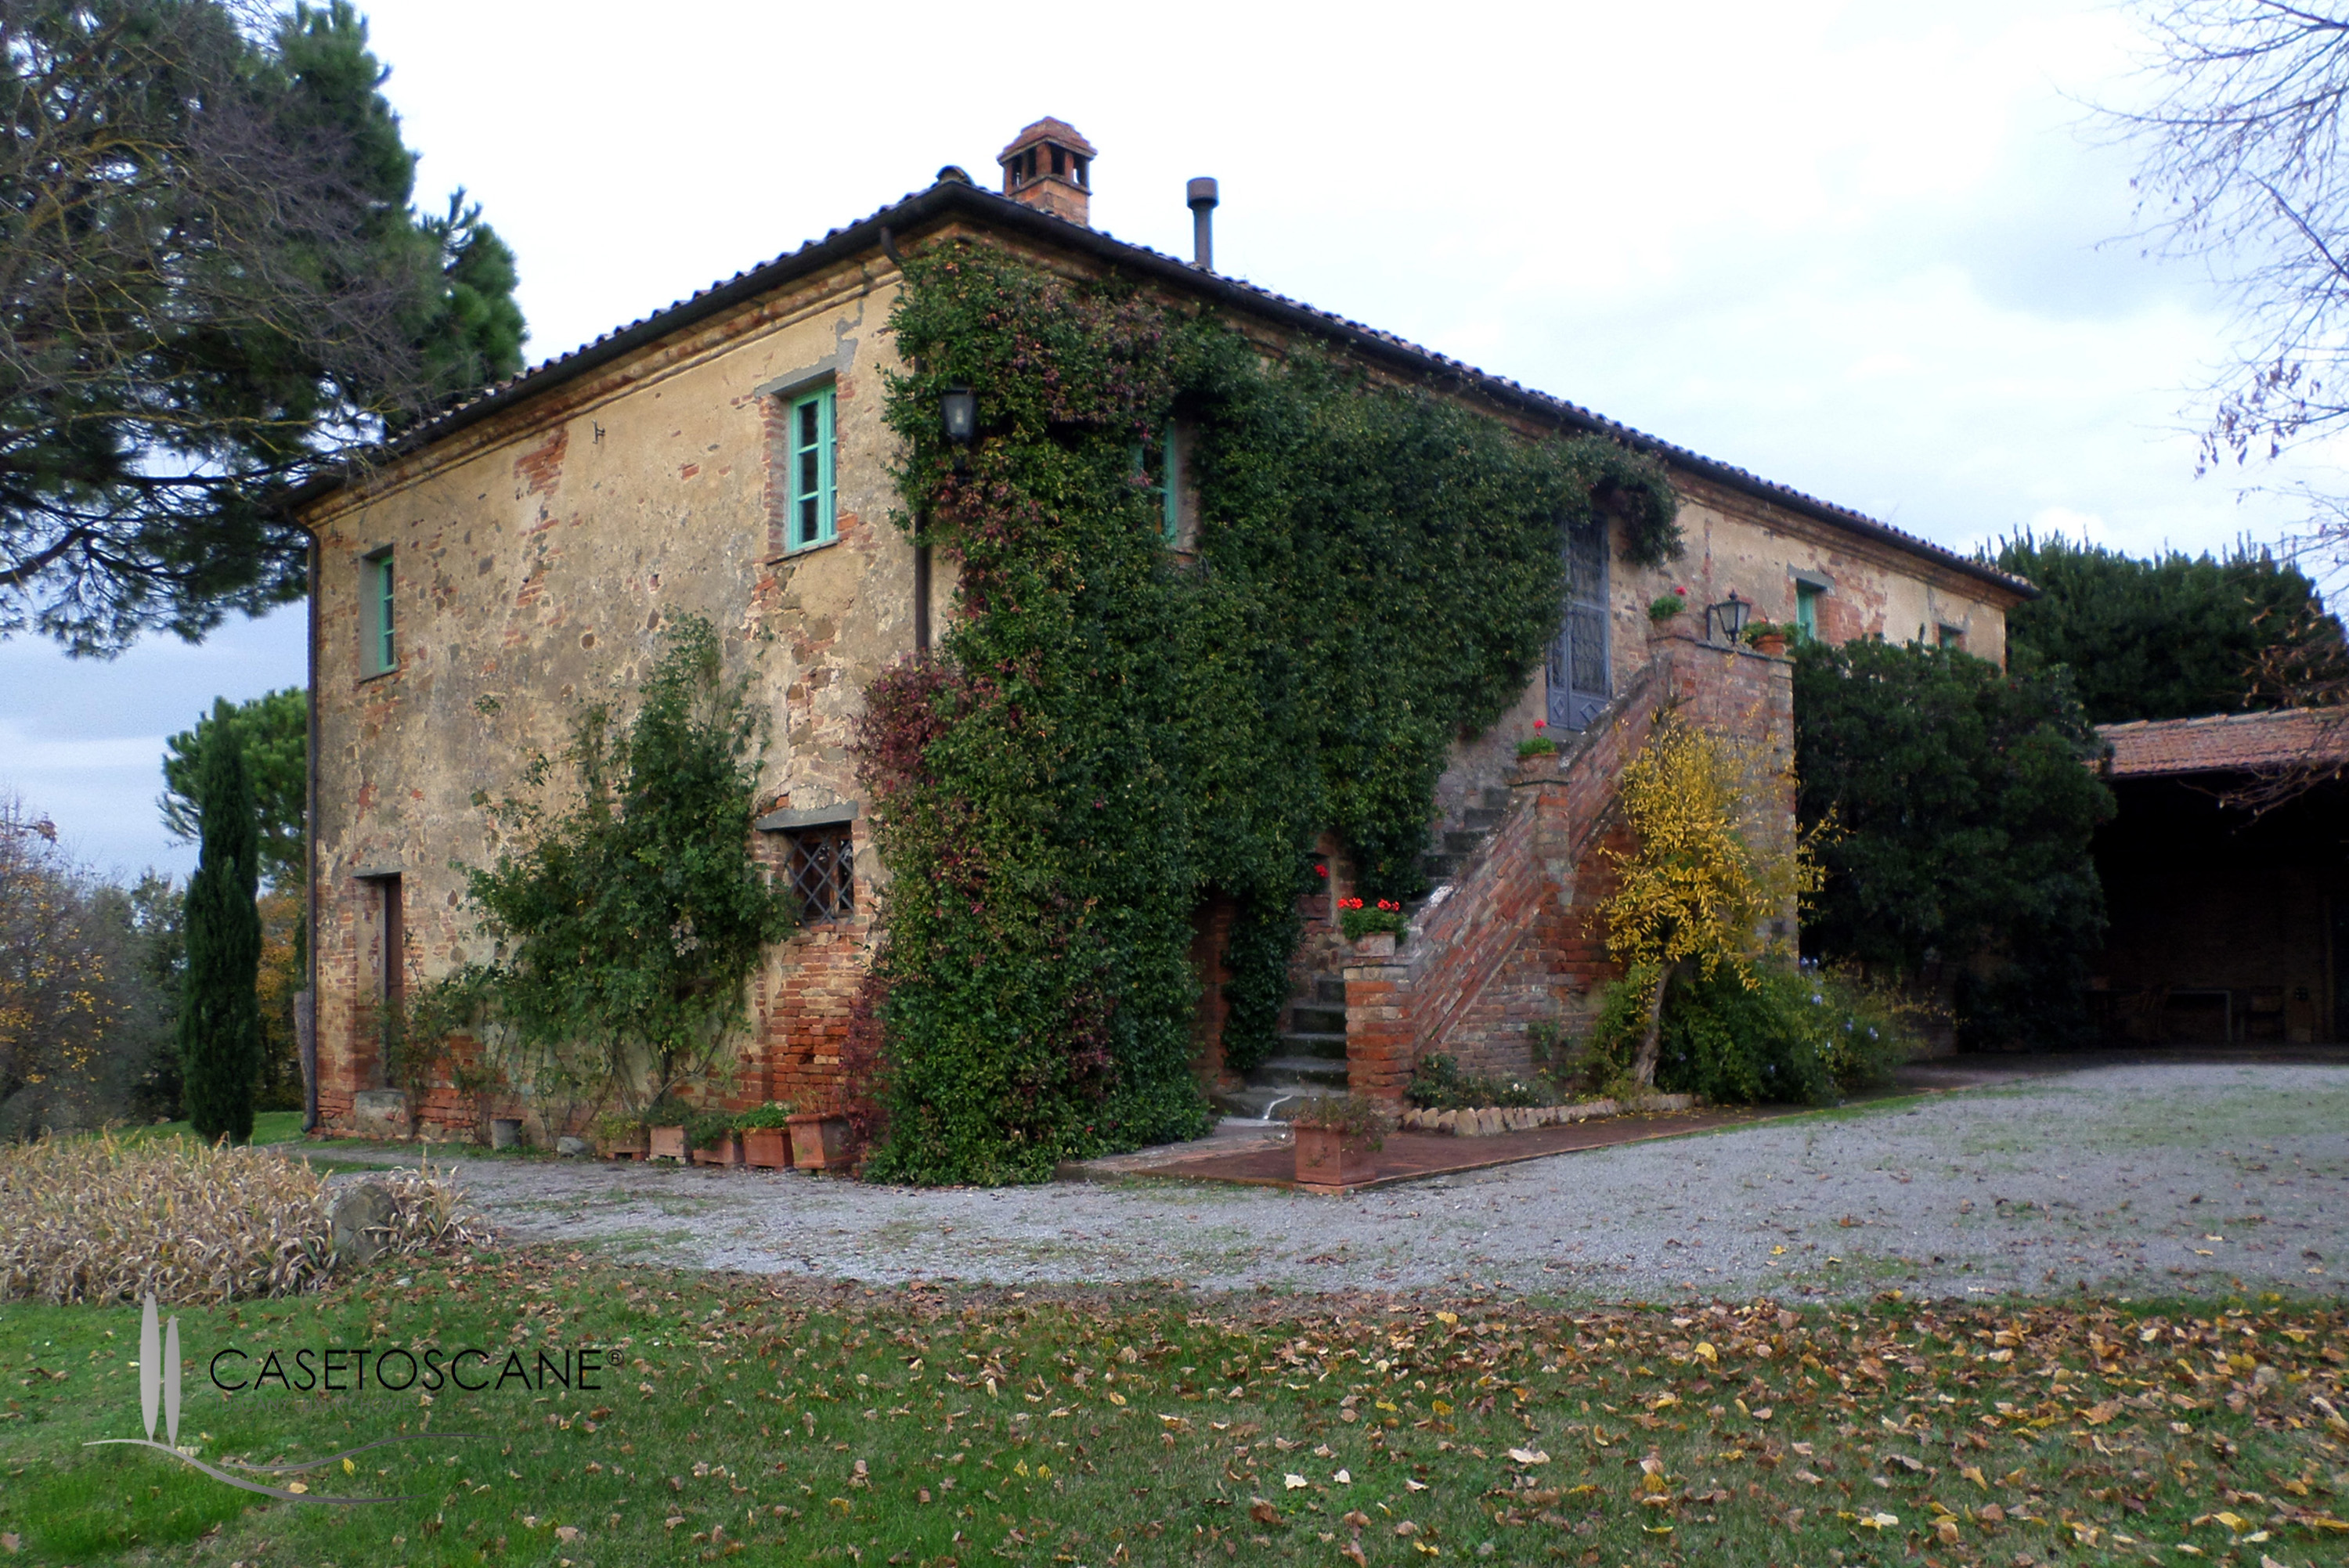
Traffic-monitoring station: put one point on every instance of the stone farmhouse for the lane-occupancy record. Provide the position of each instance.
(727, 456)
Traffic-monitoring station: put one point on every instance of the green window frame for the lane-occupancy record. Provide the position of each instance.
(809, 443)
(1168, 485)
(1806, 608)
(1171, 492)
(379, 582)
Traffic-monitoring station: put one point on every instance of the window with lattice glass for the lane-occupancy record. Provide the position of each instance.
(820, 867)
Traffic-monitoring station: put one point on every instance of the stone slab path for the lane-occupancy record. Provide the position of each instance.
(2149, 1178)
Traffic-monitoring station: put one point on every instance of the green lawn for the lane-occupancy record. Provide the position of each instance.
(808, 1423)
(268, 1126)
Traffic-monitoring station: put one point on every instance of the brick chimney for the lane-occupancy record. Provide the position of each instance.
(1049, 167)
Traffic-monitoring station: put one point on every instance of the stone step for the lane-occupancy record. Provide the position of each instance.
(1498, 797)
(1439, 867)
(1266, 1104)
(1463, 842)
(1301, 1045)
(1308, 1020)
(1299, 1072)
(1482, 818)
(1329, 990)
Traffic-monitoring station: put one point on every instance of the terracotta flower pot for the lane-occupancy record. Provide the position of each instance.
(669, 1143)
(631, 1148)
(727, 1150)
(1772, 643)
(1329, 1160)
(819, 1140)
(767, 1147)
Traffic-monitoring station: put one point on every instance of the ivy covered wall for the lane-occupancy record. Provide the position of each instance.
(1113, 729)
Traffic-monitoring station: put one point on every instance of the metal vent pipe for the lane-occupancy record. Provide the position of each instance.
(1201, 193)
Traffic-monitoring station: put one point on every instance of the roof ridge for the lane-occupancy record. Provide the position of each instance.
(945, 194)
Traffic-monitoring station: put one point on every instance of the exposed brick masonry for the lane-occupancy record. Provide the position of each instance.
(1513, 943)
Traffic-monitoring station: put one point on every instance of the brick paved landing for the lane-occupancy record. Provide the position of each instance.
(1269, 1161)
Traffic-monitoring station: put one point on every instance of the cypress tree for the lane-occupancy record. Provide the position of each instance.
(220, 1011)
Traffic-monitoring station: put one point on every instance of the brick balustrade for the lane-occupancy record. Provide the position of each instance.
(1514, 944)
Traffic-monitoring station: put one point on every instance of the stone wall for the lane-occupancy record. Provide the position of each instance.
(540, 551)
(537, 556)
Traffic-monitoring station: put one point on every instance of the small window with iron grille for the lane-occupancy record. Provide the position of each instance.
(821, 863)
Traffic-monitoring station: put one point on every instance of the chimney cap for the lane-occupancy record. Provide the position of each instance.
(955, 171)
(1200, 192)
(1048, 129)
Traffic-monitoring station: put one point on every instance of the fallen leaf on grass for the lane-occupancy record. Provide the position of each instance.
(1529, 1456)
(1263, 1512)
(1295, 1482)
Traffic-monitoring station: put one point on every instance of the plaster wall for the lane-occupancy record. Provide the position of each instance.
(536, 559)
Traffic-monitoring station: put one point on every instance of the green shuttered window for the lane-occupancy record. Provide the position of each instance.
(811, 455)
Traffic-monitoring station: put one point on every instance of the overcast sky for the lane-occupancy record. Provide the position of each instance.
(1866, 250)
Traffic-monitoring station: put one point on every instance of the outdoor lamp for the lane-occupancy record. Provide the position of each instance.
(959, 408)
(1727, 618)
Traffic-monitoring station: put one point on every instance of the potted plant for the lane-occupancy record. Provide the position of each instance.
(1336, 1137)
(1538, 744)
(766, 1135)
(1766, 637)
(619, 1136)
(713, 1139)
(666, 1119)
(1357, 922)
(1664, 606)
(819, 1139)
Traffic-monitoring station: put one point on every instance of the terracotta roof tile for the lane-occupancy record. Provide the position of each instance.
(2225, 743)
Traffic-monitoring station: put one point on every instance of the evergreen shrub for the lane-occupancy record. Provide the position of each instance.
(1776, 1035)
(220, 1009)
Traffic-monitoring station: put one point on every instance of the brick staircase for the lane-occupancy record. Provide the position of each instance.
(1310, 1061)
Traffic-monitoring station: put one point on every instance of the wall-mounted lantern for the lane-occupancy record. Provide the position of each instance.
(959, 410)
(1726, 622)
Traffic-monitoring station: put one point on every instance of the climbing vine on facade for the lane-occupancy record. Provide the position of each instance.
(1120, 725)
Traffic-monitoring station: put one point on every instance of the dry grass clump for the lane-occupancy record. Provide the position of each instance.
(426, 1216)
(96, 1218)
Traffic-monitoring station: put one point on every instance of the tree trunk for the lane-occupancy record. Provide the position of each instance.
(1643, 1067)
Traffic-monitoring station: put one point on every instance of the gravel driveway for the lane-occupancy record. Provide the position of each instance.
(2156, 1179)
